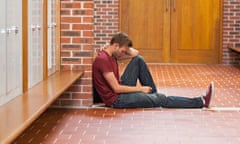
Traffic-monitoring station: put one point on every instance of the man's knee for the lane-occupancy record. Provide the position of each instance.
(161, 99)
(138, 58)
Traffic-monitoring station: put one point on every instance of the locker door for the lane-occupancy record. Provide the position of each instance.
(52, 41)
(35, 53)
(2, 51)
(14, 48)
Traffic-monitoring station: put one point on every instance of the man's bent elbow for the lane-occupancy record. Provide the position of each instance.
(117, 90)
(136, 53)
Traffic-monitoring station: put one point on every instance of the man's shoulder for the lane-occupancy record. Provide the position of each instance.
(101, 56)
(100, 59)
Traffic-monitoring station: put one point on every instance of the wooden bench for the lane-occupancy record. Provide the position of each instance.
(237, 49)
(18, 114)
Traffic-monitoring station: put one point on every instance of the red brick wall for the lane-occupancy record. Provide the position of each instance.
(231, 31)
(77, 49)
(85, 25)
(106, 19)
(89, 24)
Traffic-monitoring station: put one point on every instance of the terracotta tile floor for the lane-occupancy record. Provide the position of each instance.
(151, 126)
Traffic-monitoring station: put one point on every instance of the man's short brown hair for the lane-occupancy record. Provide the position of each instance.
(122, 39)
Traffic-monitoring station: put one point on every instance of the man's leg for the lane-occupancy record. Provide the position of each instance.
(136, 100)
(183, 102)
(142, 100)
(179, 102)
(137, 69)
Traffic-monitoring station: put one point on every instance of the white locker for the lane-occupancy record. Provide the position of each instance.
(12, 49)
(2, 51)
(35, 42)
(52, 36)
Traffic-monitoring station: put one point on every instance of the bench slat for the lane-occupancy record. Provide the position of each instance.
(19, 113)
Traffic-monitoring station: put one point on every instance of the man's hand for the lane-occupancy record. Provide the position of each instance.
(102, 48)
(146, 89)
(98, 50)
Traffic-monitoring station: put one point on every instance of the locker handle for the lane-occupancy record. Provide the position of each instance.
(175, 5)
(15, 29)
(8, 31)
(38, 27)
(33, 28)
(3, 31)
(53, 25)
(167, 5)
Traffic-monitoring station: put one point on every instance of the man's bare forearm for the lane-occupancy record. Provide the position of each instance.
(132, 89)
(130, 54)
(126, 89)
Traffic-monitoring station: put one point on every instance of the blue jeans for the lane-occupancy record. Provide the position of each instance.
(137, 69)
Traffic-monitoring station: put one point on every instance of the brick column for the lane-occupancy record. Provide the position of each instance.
(76, 50)
(231, 31)
(84, 24)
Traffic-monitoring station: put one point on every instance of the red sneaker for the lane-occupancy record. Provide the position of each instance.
(209, 95)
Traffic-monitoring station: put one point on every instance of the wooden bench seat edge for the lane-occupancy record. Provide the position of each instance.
(30, 105)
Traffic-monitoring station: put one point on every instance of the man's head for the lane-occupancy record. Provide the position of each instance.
(121, 43)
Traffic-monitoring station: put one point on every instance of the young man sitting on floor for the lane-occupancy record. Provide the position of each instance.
(124, 92)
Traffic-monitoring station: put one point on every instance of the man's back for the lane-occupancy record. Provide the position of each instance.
(104, 63)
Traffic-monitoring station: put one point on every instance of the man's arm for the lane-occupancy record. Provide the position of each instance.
(132, 52)
(117, 88)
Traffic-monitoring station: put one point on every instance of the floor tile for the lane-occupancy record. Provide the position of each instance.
(147, 126)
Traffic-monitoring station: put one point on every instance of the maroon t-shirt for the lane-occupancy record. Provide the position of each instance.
(104, 63)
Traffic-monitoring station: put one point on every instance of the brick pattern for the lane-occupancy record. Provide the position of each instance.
(76, 50)
(231, 31)
(106, 21)
(85, 25)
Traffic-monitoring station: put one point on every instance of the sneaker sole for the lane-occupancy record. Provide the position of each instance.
(212, 93)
